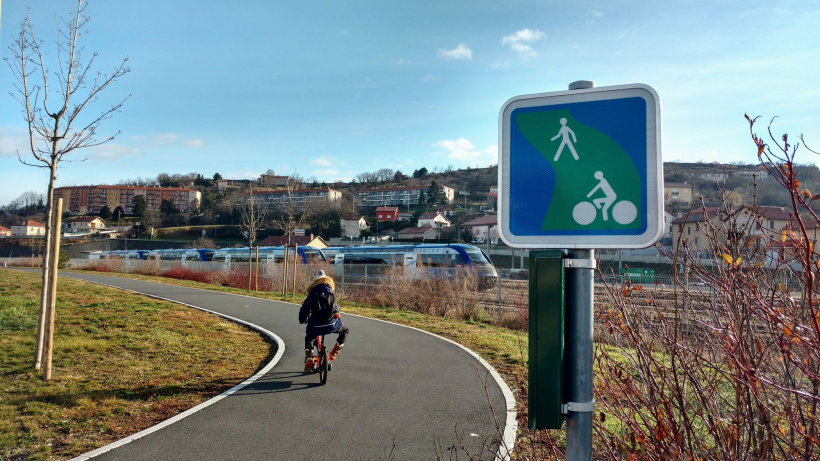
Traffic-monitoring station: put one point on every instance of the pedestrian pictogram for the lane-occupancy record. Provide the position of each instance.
(564, 133)
(607, 195)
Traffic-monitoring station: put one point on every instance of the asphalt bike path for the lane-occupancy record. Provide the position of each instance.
(394, 393)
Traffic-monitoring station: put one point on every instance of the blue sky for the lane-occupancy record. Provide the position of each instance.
(330, 89)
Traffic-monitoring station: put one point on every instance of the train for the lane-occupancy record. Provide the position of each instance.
(123, 254)
(271, 254)
(186, 254)
(370, 262)
(424, 260)
(307, 254)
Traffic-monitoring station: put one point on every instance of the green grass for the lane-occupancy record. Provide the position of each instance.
(111, 375)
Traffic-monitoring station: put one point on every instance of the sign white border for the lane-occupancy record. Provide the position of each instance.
(654, 166)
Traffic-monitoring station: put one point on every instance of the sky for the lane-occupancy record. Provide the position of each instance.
(331, 89)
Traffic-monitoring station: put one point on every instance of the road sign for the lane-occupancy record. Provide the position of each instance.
(581, 169)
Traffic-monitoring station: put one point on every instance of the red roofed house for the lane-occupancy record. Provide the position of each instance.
(5, 232)
(447, 210)
(28, 228)
(87, 223)
(386, 213)
(419, 233)
(483, 227)
(692, 227)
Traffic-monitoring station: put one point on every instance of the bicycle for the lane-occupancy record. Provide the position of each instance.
(321, 363)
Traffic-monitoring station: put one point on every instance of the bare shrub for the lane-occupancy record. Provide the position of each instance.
(730, 371)
(151, 267)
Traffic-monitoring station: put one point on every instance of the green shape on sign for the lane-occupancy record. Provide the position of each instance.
(598, 190)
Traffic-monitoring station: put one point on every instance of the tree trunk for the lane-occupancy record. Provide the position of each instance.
(46, 279)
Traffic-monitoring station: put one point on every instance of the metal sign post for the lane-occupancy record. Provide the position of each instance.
(578, 170)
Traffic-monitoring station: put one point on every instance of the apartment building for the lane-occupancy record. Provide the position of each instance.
(397, 196)
(80, 200)
(677, 192)
(299, 198)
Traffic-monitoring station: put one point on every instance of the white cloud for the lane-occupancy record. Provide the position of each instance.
(594, 15)
(167, 139)
(463, 150)
(321, 161)
(12, 141)
(521, 40)
(110, 152)
(163, 139)
(462, 51)
(326, 173)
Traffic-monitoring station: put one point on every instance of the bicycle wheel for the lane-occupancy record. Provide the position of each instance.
(323, 365)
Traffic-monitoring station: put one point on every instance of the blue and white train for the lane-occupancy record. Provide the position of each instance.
(123, 254)
(307, 254)
(425, 260)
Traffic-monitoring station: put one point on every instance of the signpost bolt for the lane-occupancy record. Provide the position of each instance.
(581, 85)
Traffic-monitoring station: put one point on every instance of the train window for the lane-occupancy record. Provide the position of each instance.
(477, 256)
(440, 260)
(313, 255)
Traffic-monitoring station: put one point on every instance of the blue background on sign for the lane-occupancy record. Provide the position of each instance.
(532, 177)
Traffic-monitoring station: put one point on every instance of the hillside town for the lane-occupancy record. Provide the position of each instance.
(383, 206)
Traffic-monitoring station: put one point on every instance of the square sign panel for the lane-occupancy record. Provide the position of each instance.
(581, 169)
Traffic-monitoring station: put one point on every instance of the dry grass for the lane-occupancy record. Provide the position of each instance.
(111, 374)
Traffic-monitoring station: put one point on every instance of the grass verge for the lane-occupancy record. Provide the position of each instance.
(110, 368)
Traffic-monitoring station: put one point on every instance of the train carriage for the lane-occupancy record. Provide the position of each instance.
(307, 254)
(415, 261)
(184, 254)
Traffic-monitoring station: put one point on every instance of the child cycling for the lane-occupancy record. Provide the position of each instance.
(321, 313)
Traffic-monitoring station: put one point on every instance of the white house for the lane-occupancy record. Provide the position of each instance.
(433, 219)
(352, 226)
(28, 228)
(87, 224)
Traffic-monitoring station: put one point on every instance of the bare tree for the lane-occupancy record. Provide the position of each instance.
(253, 220)
(54, 102)
(292, 212)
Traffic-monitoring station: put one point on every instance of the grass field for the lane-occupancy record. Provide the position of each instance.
(111, 372)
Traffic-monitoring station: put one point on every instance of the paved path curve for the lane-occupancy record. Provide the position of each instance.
(395, 390)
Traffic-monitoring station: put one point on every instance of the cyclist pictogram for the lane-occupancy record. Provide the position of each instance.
(624, 212)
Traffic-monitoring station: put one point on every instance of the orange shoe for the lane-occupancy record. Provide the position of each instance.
(308, 361)
(334, 353)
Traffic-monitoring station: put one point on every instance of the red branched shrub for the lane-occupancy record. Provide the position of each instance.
(726, 363)
(181, 272)
(97, 266)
